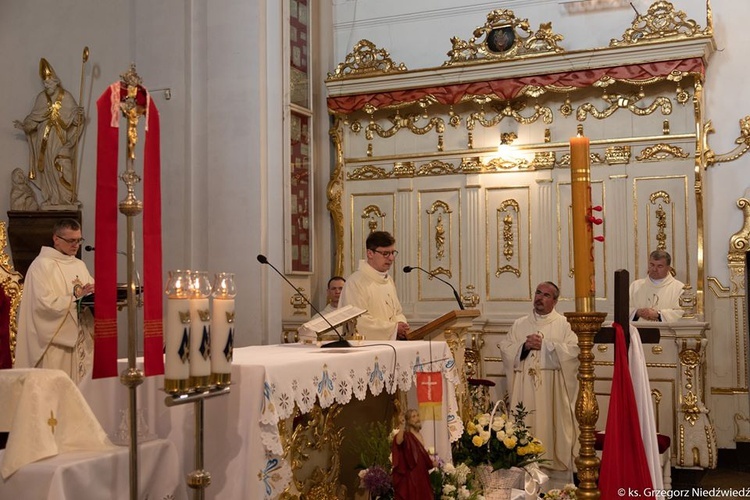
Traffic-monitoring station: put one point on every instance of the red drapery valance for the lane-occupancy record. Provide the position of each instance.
(510, 88)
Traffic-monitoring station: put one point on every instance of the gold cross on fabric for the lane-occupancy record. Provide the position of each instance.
(52, 421)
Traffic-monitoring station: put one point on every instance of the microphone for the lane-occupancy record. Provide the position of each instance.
(341, 342)
(88, 248)
(408, 269)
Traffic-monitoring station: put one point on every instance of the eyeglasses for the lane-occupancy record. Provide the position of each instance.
(71, 241)
(390, 253)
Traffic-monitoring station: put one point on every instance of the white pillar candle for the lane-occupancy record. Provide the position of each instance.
(177, 345)
(222, 340)
(200, 342)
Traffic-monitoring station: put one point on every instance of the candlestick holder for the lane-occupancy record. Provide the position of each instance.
(586, 325)
(199, 479)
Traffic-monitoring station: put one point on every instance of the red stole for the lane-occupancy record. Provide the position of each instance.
(105, 262)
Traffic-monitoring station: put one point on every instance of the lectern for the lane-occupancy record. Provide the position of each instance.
(451, 327)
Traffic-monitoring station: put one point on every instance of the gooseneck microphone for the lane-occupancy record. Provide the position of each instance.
(341, 342)
(408, 269)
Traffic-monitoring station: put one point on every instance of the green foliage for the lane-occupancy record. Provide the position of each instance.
(373, 443)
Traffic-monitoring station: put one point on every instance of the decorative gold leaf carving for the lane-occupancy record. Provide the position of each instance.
(437, 167)
(503, 36)
(409, 122)
(543, 160)
(619, 101)
(368, 172)
(617, 155)
(661, 22)
(403, 169)
(11, 285)
(512, 111)
(661, 151)
(364, 59)
(507, 222)
(739, 243)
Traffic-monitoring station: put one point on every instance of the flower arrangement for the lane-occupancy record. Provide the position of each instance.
(377, 481)
(568, 492)
(374, 447)
(454, 483)
(500, 440)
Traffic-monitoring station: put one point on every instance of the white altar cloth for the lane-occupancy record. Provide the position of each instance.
(45, 414)
(99, 474)
(242, 448)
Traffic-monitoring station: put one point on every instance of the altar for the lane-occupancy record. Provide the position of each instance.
(246, 451)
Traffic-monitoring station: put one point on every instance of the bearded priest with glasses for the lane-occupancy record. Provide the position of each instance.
(54, 330)
(372, 288)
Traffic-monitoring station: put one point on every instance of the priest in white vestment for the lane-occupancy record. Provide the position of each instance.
(656, 297)
(540, 356)
(372, 288)
(54, 330)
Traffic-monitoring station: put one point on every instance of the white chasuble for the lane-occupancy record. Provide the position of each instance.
(374, 291)
(53, 331)
(545, 382)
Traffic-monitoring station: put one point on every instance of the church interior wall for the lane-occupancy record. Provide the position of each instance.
(220, 129)
(222, 182)
(414, 33)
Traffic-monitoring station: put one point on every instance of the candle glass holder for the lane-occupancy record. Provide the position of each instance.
(178, 284)
(224, 287)
(222, 329)
(177, 332)
(200, 330)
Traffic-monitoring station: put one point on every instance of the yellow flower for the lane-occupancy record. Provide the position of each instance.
(471, 428)
(510, 442)
(477, 441)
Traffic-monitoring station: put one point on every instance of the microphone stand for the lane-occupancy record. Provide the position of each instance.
(341, 342)
(408, 269)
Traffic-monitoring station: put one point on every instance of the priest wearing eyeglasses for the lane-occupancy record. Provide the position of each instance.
(54, 330)
(372, 288)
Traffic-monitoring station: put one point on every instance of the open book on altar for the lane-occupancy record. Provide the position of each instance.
(313, 330)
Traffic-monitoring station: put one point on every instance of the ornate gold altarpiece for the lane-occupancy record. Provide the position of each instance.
(468, 165)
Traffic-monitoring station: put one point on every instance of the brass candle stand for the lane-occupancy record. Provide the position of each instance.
(199, 479)
(586, 325)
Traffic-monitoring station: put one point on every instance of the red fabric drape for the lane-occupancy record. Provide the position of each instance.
(105, 264)
(624, 471)
(105, 261)
(509, 88)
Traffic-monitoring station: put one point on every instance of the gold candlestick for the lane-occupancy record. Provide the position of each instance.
(586, 325)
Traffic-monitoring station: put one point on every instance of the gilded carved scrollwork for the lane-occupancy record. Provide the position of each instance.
(661, 151)
(315, 435)
(617, 155)
(470, 297)
(503, 36)
(408, 122)
(10, 284)
(507, 222)
(710, 158)
(366, 58)
(510, 110)
(739, 243)
(661, 218)
(374, 216)
(439, 209)
(620, 101)
(662, 22)
(334, 191)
